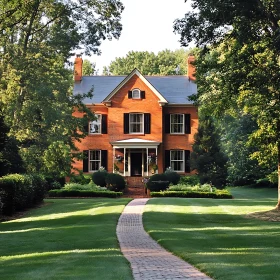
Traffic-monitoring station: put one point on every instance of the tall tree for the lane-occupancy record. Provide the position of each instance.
(37, 39)
(89, 68)
(243, 70)
(165, 62)
(207, 157)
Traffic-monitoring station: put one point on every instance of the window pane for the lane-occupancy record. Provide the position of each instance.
(136, 93)
(136, 123)
(177, 123)
(95, 126)
(177, 160)
(94, 160)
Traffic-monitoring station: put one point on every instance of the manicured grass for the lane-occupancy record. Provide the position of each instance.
(215, 236)
(65, 239)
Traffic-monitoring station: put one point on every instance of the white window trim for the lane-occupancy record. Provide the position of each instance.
(136, 90)
(95, 122)
(171, 124)
(181, 160)
(90, 160)
(140, 132)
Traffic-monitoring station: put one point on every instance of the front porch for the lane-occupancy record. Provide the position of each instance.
(135, 158)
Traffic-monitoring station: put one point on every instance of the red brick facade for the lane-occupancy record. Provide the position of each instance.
(114, 141)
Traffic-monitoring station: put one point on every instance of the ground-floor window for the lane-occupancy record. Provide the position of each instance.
(94, 160)
(177, 160)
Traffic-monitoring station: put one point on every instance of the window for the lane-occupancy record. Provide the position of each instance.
(136, 94)
(136, 123)
(177, 123)
(177, 160)
(94, 160)
(95, 126)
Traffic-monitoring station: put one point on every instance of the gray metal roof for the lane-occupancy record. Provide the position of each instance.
(175, 89)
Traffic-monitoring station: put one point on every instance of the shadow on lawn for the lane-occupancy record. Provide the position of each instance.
(226, 246)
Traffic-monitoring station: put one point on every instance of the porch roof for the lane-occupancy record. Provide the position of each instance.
(135, 143)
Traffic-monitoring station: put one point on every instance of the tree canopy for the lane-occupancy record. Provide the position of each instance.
(166, 62)
(37, 39)
(238, 68)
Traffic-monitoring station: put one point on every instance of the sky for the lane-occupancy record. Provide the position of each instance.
(147, 26)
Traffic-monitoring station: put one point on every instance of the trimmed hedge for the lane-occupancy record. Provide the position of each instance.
(173, 177)
(192, 194)
(83, 193)
(18, 192)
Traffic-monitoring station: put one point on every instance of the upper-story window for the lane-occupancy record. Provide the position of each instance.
(95, 126)
(177, 123)
(136, 123)
(136, 94)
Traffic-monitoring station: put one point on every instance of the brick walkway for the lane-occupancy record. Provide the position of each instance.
(149, 261)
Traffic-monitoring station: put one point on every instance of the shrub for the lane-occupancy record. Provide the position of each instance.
(189, 180)
(158, 182)
(99, 178)
(219, 194)
(83, 193)
(89, 187)
(20, 191)
(81, 179)
(54, 182)
(197, 188)
(172, 176)
(115, 182)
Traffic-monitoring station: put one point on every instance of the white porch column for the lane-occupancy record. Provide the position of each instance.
(114, 154)
(124, 156)
(147, 161)
(156, 159)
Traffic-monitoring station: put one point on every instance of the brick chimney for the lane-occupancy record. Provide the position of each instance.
(191, 68)
(78, 69)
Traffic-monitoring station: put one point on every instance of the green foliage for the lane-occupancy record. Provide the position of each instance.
(173, 177)
(80, 179)
(238, 67)
(99, 178)
(88, 68)
(197, 188)
(220, 194)
(207, 157)
(83, 193)
(86, 187)
(189, 180)
(158, 182)
(115, 182)
(164, 63)
(19, 192)
(37, 39)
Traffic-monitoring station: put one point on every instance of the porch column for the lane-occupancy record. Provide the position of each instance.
(147, 161)
(156, 159)
(124, 161)
(114, 154)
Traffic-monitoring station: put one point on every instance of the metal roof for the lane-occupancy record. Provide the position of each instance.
(175, 89)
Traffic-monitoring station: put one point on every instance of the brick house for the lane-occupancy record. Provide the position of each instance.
(144, 124)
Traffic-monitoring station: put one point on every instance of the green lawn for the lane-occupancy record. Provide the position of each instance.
(215, 236)
(65, 239)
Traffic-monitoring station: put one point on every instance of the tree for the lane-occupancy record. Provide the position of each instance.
(207, 157)
(240, 64)
(88, 68)
(242, 168)
(37, 39)
(165, 62)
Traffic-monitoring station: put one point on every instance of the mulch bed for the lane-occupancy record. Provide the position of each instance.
(271, 216)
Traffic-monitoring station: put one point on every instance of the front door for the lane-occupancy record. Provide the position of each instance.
(136, 164)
